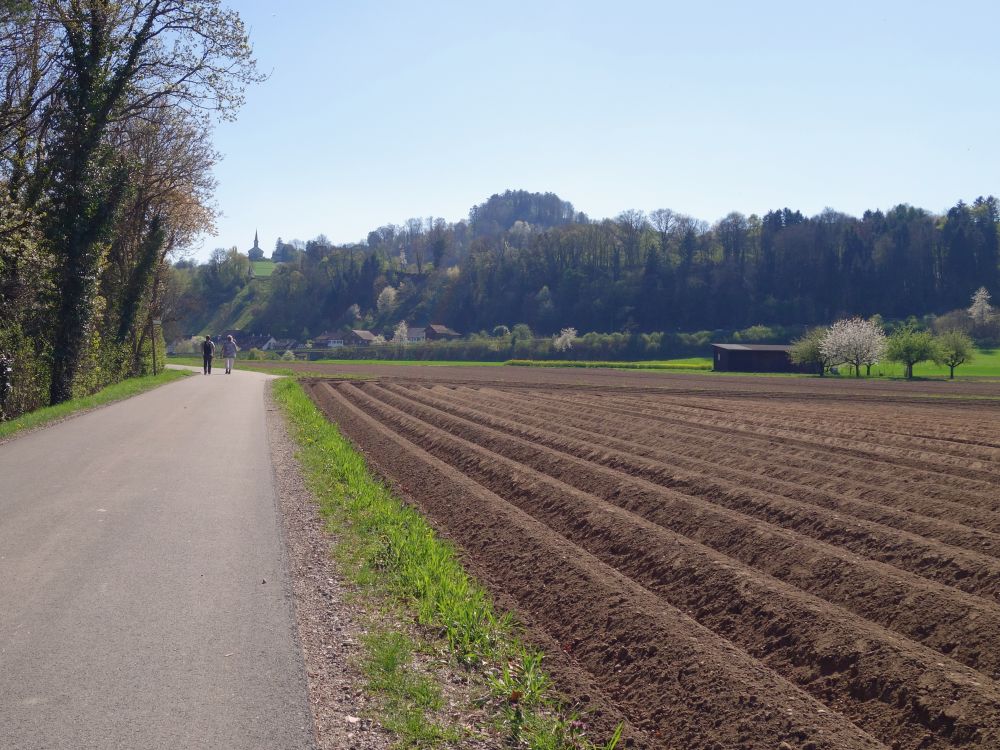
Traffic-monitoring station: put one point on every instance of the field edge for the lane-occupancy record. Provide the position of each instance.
(399, 562)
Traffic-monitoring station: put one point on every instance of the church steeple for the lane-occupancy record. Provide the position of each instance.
(255, 240)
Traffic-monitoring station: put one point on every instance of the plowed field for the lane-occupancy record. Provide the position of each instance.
(716, 566)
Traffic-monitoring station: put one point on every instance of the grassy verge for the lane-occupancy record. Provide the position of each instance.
(419, 362)
(116, 392)
(695, 364)
(396, 558)
(269, 367)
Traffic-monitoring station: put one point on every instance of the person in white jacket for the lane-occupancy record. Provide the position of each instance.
(229, 350)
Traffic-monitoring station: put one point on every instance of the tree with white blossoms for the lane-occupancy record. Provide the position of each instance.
(399, 333)
(854, 342)
(564, 340)
(386, 299)
(980, 310)
(378, 340)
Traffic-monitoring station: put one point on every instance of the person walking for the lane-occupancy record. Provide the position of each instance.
(229, 350)
(207, 352)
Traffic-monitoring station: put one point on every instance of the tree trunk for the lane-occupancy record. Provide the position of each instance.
(952, 375)
(72, 326)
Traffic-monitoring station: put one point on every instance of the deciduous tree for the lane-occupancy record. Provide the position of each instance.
(854, 341)
(808, 350)
(910, 346)
(564, 340)
(954, 348)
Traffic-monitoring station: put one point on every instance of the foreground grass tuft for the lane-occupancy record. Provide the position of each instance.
(392, 552)
(116, 392)
(409, 697)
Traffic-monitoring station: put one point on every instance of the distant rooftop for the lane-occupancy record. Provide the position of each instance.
(754, 347)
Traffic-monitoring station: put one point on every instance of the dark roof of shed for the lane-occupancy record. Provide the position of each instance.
(437, 328)
(754, 347)
(361, 334)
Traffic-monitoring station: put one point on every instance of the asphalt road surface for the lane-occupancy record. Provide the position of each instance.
(144, 596)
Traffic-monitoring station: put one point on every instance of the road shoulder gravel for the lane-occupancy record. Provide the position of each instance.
(329, 631)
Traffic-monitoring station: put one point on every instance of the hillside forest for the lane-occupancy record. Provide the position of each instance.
(532, 259)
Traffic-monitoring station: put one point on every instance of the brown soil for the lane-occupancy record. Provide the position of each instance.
(720, 567)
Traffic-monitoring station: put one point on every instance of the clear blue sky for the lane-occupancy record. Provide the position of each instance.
(379, 111)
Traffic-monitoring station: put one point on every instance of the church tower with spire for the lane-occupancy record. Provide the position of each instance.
(255, 252)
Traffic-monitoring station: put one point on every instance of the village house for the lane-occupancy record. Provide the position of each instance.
(329, 340)
(357, 337)
(437, 332)
(416, 335)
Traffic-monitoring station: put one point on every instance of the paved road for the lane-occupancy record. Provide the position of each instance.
(135, 542)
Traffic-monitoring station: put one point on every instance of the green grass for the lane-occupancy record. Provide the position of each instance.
(985, 365)
(395, 556)
(262, 269)
(410, 697)
(271, 367)
(116, 392)
(422, 362)
(691, 364)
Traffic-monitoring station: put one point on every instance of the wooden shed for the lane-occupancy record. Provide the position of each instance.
(753, 358)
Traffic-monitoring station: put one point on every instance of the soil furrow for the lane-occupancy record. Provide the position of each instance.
(763, 469)
(762, 615)
(828, 424)
(671, 676)
(965, 627)
(945, 522)
(951, 566)
(979, 493)
(891, 456)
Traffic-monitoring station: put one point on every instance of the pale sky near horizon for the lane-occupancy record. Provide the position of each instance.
(378, 111)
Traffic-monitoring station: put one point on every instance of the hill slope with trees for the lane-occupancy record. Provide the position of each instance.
(531, 258)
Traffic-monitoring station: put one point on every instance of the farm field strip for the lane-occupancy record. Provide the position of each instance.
(660, 434)
(699, 581)
(970, 571)
(889, 469)
(842, 443)
(481, 460)
(837, 425)
(882, 420)
(900, 640)
(873, 590)
(953, 523)
(752, 465)
(649, 658)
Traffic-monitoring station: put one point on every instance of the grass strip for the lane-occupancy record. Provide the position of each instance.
(116, 392)
(410, 698)
(395, 554)
(688, 366)
(411, 362)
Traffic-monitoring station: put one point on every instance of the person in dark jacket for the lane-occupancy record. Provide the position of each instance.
(207, 352)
